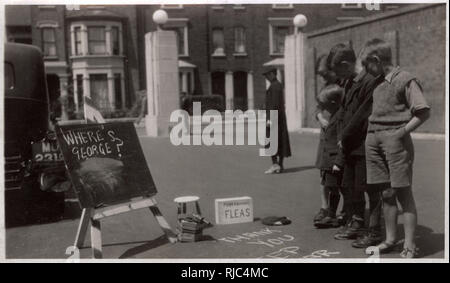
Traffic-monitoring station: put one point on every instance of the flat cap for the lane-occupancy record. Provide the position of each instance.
(268, 69)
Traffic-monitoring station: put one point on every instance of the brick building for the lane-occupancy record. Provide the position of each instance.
(99, 50)
(224, 47)
(417, 34)
(87, 50)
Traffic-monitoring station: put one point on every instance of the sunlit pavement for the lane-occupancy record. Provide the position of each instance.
(233, 171)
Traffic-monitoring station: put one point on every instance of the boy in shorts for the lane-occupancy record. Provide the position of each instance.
(399, 108)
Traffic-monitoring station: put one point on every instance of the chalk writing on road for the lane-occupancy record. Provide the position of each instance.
(246, 237)
(321, 254)
(272, 238)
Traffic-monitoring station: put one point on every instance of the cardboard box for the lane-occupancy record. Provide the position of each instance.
(234, 210)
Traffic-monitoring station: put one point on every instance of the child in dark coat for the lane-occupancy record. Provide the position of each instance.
(352, 130)
(328, 101)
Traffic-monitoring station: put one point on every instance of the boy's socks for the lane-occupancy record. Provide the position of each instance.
(359, 209)
(334, 199)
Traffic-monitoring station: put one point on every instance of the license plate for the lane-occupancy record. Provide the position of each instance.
(47, 151)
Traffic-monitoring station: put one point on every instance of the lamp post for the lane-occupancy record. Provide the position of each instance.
(162, 75)
(160, 17)
(300, 21)
(295, 75)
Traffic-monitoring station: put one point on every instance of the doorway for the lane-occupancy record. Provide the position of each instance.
(54, 93)
(240, 90)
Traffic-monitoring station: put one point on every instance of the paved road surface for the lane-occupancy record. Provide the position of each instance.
(229, 171)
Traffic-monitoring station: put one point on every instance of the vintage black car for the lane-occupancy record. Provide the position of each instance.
(28, 150)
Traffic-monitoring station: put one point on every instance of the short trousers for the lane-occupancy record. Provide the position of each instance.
(389, 158)
(330, 178)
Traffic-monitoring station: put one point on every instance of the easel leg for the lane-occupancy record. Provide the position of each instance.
(163, 224)
(96, 239)
(82, 227)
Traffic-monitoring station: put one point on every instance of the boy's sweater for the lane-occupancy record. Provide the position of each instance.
(392, 106)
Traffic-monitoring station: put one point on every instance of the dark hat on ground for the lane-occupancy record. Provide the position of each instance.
(276, 220)
(268, 70)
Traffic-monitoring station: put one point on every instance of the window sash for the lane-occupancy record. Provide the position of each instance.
(239, 40)
(282, 6)
(97, 40)
(279, 35)
(218, 41)
(352, 5)
(180, 33)
(78, 45)
(99, 90)
(80, 89)
(48, 41)
(115, 41)
(118, 90)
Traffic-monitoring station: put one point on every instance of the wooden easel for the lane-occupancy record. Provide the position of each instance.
(91, 217)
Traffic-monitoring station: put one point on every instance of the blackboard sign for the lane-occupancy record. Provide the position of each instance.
(105, 162)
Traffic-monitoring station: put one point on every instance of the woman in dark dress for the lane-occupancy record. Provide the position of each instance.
(275, 101)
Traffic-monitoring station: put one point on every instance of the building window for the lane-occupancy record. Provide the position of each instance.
(282, 6)
(19, 34)
(78, 45)
(350, 6)
(49, 7)
(180, 32)
(279, 34)
(103, 38)
(115, 40)
(80, 93)
(118, 91)
(171, 6)
(217, 7)
(97, 40)
(99, 90)
(180, 27)
(48, 42)
(218, 42)
(189, 83)
(95, 7)
(239, 40)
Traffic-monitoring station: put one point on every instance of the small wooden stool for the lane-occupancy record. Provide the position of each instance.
(182, 205)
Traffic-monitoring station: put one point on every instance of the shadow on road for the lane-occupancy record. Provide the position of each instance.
(428, 242)
(297, 169)
(154, 244)
(145, 247)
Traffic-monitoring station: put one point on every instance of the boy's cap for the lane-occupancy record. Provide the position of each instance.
(276, 220)
(331, 94)
(345, 53)
(268, 70)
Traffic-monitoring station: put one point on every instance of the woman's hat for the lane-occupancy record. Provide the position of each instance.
(268, 70)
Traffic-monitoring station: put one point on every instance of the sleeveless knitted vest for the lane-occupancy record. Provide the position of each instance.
(389, 101)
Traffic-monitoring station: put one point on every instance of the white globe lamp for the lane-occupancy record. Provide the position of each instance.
(300, 21)
(160, 17)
